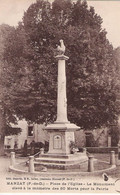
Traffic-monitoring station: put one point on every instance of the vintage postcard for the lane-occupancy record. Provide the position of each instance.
(59, 96)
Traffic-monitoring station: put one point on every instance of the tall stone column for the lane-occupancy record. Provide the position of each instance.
(61, 131)
(61, 94)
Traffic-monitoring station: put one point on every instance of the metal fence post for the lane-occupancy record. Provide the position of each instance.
(31, 164)
(12, 160)
(91, 163)
(112, 158)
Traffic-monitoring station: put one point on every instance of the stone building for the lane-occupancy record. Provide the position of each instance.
(93, 138)
(29, 132)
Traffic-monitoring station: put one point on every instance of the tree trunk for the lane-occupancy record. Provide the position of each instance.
(2, 133)
(2, 146)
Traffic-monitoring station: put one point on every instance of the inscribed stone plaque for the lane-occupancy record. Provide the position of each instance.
(57, 142)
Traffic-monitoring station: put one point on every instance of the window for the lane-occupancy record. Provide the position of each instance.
(30, 130)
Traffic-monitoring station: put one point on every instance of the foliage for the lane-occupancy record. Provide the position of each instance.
(7, 113)
(12, 131)
(117, 61)
(91, 142)
(73, 147)
(91, 69)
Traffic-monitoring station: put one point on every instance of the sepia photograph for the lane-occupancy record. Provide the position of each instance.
(59, 96)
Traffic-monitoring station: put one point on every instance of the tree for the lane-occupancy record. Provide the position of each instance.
(91, 69)
(6, 99)
(117, 60)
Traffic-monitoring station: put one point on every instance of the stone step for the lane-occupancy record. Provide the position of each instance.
(61, 156)
(51, 160)
(58, 159)
(60, 164)
(61, 161)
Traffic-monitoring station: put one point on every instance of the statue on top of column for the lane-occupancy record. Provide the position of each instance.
(61, 48)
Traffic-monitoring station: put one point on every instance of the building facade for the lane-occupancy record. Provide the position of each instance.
(36, 132)
(29, 132)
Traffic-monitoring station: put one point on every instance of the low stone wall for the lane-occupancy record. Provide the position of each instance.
(100, 149)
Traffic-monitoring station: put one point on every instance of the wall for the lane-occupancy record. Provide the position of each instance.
(101, 136)
(80, 138)
(39, 135)
(97, 137)
(20, 138)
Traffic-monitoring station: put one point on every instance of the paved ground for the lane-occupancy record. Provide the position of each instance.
(106, 157)
(4, 167)
(6, 176)
(5, 162)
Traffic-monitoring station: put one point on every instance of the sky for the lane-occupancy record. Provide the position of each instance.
(11, 12)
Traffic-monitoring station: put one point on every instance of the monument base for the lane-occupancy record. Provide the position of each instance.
(61, 135)
(57, 161)
(59, 155)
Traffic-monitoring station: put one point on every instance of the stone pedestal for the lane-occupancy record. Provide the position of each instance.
(60, 137)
